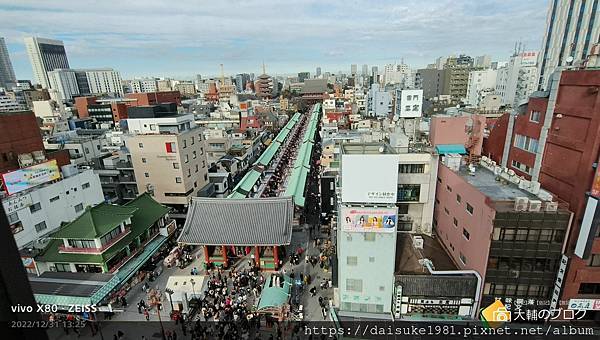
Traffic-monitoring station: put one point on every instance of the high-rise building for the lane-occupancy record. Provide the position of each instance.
(45, 55)
(241, 80)
(379, 102)
(572, 28)
(365, 70)
(480, 84)
(318, 73)
(7, 73)
(483, 61)
(431, 80)
(70, 82)
(517, 80)
(456, 77)
(353, 69)
(64, 82)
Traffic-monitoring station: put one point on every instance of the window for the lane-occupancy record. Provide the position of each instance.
(352, 260)
(534, 116)
(184, 144)
(87, 150)
(143, 160)
(54, 199)
(192, 140)
(141, 145)
(153, 127)
(469, 209)
(170, 146)
(447, 211)
(458, 198)
(402, 208)
(594, 260)
(85, 185)
(146, 174)
(463, 259)
(82, 243)
(354, 285)
(177, 179)
(13, 218)
(455, 222)
(439, 180)
(62, 267)
(381, 288)
(193, 154)
(449, 188)
(186, 159)
(35, 207)
(411, 168)
(371, 259)
(526, 143)
(40, 226)
(79, 207)
(521, 235)
(189, 172)
(197, 168)
(409, 192)
(520, 166)
(466, 234)
(589, 288)
(370, 237)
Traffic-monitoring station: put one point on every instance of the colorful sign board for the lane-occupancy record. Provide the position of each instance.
(23, 179)
(370, 178)
(368, 219)
(584, 304)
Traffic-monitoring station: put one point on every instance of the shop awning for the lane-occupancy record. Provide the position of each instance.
(134, 264)
(444, 149)
(275, 296)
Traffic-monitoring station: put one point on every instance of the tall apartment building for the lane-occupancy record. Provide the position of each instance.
(483, 61)
(353, 70)
(481, 83)
(70, 83)
(143, 85)
(45, 55)
(7, 73)
(572, 28)
(456, 76)
(506, 229)
(431, 81)
(517, 80)
(167, 153)
(241, 80)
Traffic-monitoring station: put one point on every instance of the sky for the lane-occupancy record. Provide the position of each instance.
(181, 38)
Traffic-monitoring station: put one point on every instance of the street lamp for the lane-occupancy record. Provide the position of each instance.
(155, 301)
(170, 292)
(193, 284)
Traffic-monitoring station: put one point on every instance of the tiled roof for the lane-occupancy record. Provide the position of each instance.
(95, 222)
(248, 221)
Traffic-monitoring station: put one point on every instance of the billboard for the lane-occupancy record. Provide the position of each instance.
(370, 178)
(357, 219)
(30, 177)
(17, 203)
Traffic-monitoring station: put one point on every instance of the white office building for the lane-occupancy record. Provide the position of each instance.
(379, 102)
(572, 28)
(409, 103)
(45, 55)
(64, 82)
(517, 80)
(103, 81)
(143, 85)
(36, 212)
(480, 84)
(9, 104)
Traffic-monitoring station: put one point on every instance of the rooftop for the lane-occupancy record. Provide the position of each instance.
(67, 283)
(367, 149)
(244, 222)
(407, 256)
(95, 222)
(485, 181)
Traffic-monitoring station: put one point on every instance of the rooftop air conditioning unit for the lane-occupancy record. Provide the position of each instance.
(418, 242)
(534, 187)
(535, 205)
(521, 203)
(511, 172)
(551, 206)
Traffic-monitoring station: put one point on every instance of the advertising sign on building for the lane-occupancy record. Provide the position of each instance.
(368, 219)
(562, 269)
(30, 177)
(369, 178)
(584, 304)
(17, 203)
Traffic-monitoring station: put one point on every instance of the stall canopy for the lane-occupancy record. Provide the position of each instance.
(275, 296)
(238, 222)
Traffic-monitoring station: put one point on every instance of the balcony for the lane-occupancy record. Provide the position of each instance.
(126, 179)
(96, 251)
(126, 259)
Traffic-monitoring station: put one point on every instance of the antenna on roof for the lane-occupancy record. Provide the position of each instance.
(264, 68)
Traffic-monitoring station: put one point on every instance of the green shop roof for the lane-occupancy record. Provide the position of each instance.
(146, 212)
(95, 222)
(275, 296)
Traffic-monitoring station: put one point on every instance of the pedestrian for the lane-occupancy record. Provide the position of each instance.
(174, 336)
(169, 336)
(139, 306)
(313, 291)
(321, 301)
(120, 335)
(146, 314)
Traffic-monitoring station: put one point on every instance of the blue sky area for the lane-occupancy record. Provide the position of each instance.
(182, 38)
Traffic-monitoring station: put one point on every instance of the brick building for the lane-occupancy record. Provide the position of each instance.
(153, 98)
(20, 134)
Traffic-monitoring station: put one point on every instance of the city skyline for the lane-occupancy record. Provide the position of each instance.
(301, 37)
